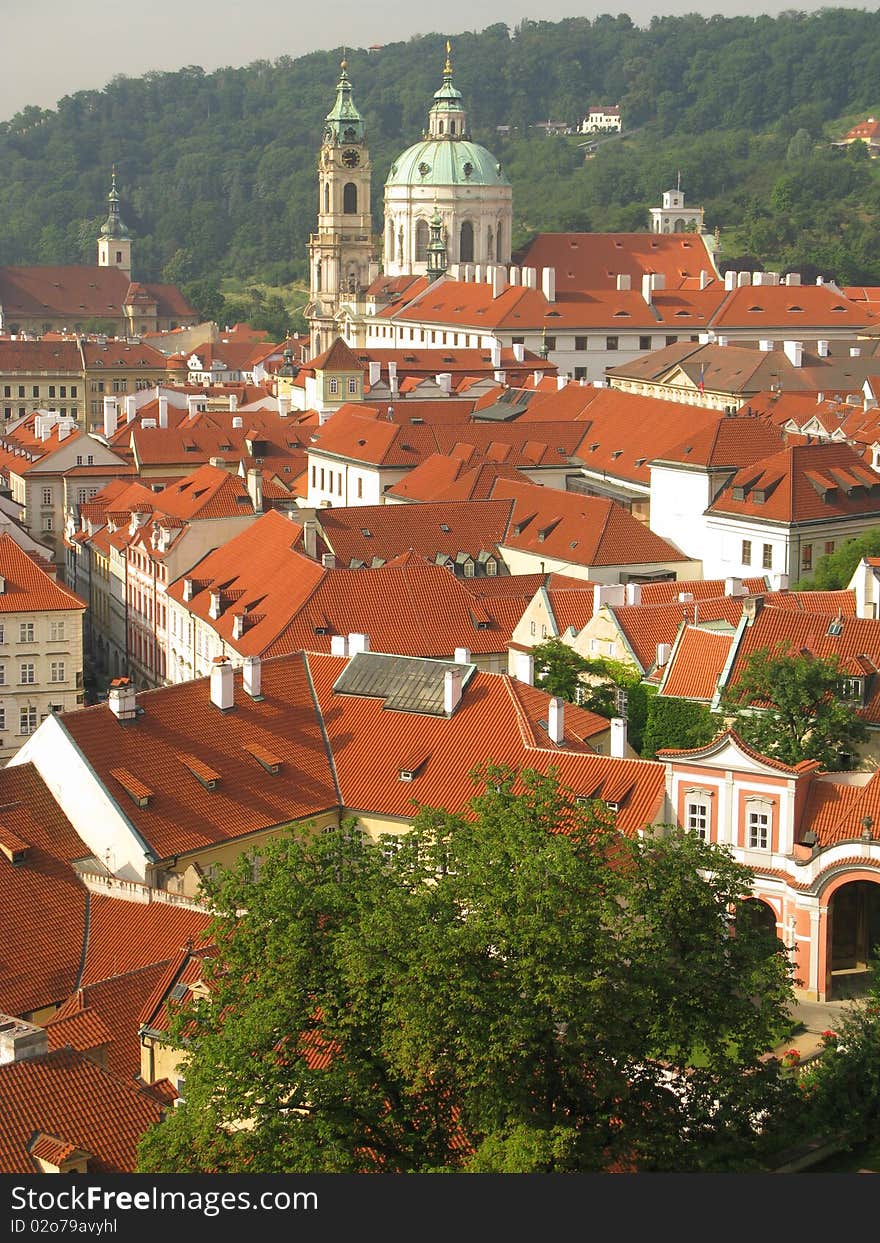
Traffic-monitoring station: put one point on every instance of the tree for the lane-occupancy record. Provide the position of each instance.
(835, 570)
(515, 988)
(790, 705)
(593, 682)
(678, 723)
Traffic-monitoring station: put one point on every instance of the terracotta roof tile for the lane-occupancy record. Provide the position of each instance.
(696, 664)
(802, 483)
(589, 261)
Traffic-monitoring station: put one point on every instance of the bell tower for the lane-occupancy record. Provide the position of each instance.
(342, 254)
(114, 242)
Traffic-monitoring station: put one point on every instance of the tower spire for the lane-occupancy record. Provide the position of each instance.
(113, 226)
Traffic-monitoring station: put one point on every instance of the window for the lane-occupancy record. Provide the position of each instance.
(697, 818)
(47, 522)
(2, 718)
(56, 671)
(644, 343)
(2, 634)
(352, 384)
(2, 675)
(62, 391)
(829, 547)
(550, 342)
(580, 343)
(35, 391)
(767, 557)
(671, 340)
(73, 390)
(27, 672)
(532, 628)
(360, 488)
(21, 391)
(747, 552)
(580, 373)
(7, 390)
(759, 826)
(51, 391)
(47, 496)
(334, 386)
(807, 557)
(26, 632)
(851, 688)
(27, 720)
(611, 343)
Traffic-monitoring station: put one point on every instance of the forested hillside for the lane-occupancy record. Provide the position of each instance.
(217, 170)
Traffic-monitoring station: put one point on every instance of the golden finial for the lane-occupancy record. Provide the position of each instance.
(448, 67)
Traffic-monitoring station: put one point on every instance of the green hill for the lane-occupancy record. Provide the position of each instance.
(217, 170)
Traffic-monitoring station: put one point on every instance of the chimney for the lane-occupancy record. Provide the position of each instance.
(730, 280)
(310, 538)
(252, 676)
(647, 287)
(664, 651)
(607, 593)
(743, 279)
(444, 382)
(358, 643)
(375, 373)
(452, 683)
(328, 559)
(519, 351)
(561, 381)
(163, 411)
(536, 377)
(633, 593)
(478, 273)
(20, 1040)
(215, 607)
(216, 461)
(187, 589)
(822, 349)
(222, 687)
(338, 645)
(109, 417)
(766, 346)
(192, 406)
(752, 606)
(462, 656)
(794, 352)
(2, 584)
(793, 278)
(525, 667)
(556, 720)
(624, 281)
(495, 351)
(283, 405)
(618, 738)
(721, 341)
(514, 276)
(778, 582)
(233, 403)
(121, 699)
(734, 587)
(392, 376)
(255, 489)
(237, 625)
(499, 281)
(130, 407)
(548, 284)
(705, 278)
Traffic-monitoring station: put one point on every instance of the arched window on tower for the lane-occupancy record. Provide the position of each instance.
(326, 196)
(441, 127)
(452, 127)
(350, 198)
(421, 241)
(466, 243)
(490, 254)
(679, 226)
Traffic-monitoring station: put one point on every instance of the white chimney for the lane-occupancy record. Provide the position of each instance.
(525, 667)
(499, 281)
(793, 278)
(561, 381)
(495, 352)
(310, 538)
(530, 277)
(444, 382)
(633, 593)
(766, 346)
(20, 1040)
(328, 559)
(252, 676)
(721, 340)
(255, 489)
(192, 404)
(647, 287)
(822, 349)
(462, 656)
(607, 593)
(130, 407)
(794, 352)
(624, 281)
(618, 738)
(514, 276)
(734, 587)
(730, 280)
(664, 651)
(163, 411)
(187, 589)
(392, 376)
(338, 645)
(215, 609)
(122, 700)
(478, 273)
(283, 405)
(237, 625)
(452, 684)
(548, 284)
(375, 373)
(233, 402)
(109, 417)
(778, 582)
(556, 720)
(519, 351)
(743, 279)
(705, 278)
(222, 686)
(537, 376)
(358, 643)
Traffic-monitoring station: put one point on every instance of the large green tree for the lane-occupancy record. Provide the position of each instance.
(835, 570)
(517, 988)
(793, 706)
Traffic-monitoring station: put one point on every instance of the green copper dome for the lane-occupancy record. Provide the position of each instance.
(446, 162)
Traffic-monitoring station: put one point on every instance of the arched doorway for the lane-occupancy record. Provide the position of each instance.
(757, 914)
(853, 935)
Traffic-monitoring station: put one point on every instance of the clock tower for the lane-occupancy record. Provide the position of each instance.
(342, 254)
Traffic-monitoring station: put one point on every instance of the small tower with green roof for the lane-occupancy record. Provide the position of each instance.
(114, 241)
(436, 247)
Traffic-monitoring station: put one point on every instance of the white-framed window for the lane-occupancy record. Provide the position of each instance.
(759, 820)
(697, 816)
(2, 718)
(28, 673)
(26, 632)
(334, 386)
(352, 384)
(47, 522)
(47, 496)
(27, 720)
(747, 552)
(56, 671)
(56, 631)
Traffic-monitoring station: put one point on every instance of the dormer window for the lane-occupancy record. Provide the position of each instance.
(852, 689)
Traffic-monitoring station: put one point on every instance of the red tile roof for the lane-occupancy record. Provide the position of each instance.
(731, 441)
(125, 936)
(805, 766)
(700, 589)
(68, 1097)
(802, 483)
(796, 309)
(27, 587)
(696, 664)
(590, 261)
(428, 529)
(79, 291)
(443, 477)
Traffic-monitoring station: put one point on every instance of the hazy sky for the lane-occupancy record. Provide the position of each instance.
(57, 47)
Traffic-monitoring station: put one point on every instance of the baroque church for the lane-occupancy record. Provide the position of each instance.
(69, 298)
(447, 201)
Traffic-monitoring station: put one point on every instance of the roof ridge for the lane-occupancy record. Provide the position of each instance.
(323, 727)
(527, 734)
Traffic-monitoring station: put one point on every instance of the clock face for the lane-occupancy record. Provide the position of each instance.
(351, 159)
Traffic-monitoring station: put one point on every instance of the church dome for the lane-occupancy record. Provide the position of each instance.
(446, 162)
